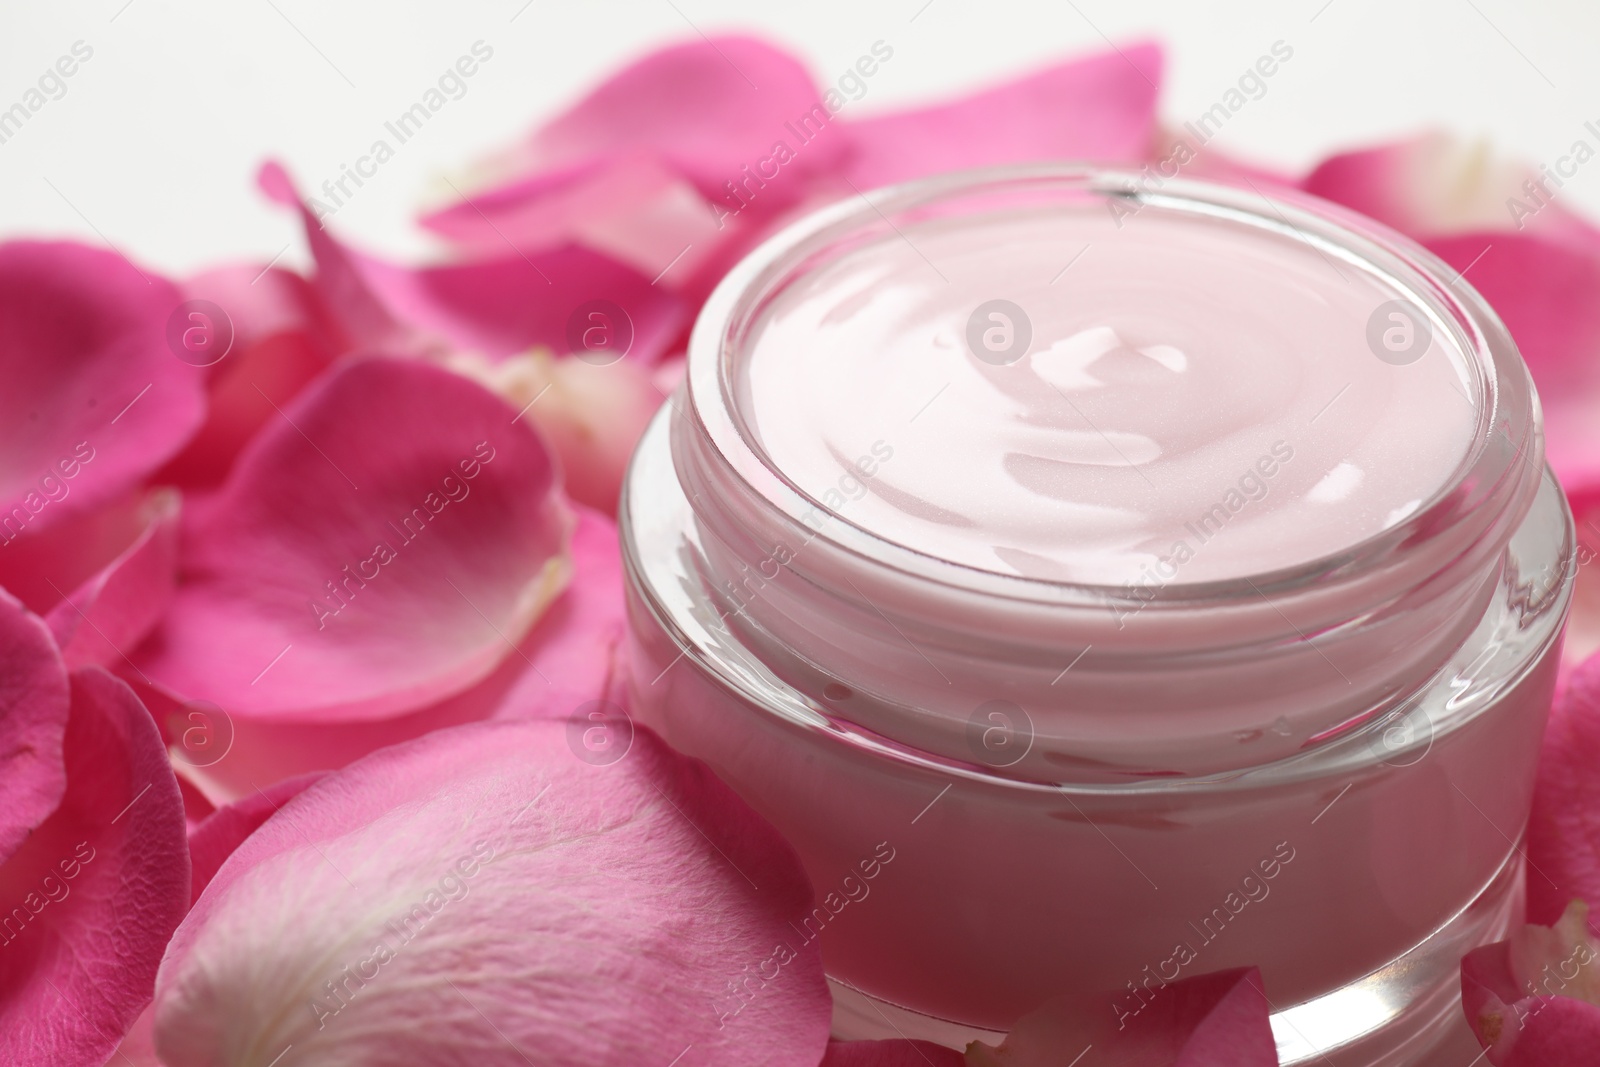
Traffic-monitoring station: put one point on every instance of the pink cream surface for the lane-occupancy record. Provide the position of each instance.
(1198, 401)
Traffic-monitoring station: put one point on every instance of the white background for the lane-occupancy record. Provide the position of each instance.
(155, 145)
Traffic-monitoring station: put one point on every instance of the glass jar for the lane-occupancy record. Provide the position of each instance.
(1008, 786)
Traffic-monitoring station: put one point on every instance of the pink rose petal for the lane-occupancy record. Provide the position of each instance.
(1564, 832)
(630, 206)
(95, 893)
(94, 399)
(516, 302)
(1100, 109)
(524, 903)
(573, 658)
(1434, 184)
(383, 546)
(1545, 290)
(591, 413)
(517, 299)
(566, 662)
(116, 607)
(1209, 1020)
(1531, 999)
(706, 108)
(224, 830)
(890, 1054)
(282, 340)
(33, 720)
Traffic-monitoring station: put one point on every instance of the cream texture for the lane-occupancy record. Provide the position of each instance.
(1198, 400)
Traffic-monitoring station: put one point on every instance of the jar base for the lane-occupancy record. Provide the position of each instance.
(1404, 1014)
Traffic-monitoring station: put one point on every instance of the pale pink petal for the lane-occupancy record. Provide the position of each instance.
(94, 399)
(1099, 109)
(97, 890)
(361, 320)
(706, 108)
(592, 413)
(1530, 999)
(630, 206)
(567, 662)
(110, 613)
(382, 546)
(33, 719)
(224, 830)
(890, 1054)
(1564, 831)
(520, 902)
(1434, 184)
(1205, 1021)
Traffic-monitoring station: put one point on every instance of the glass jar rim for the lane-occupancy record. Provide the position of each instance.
(1499, 472)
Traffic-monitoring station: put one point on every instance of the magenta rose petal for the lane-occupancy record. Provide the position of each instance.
(1217, 1018)
(382, 546)
(890, 1054)
(1101, 109)
(1545, 290)
(707, 108)
(517, 299)
(33, 720)
(224, 830)
(94, 398)
(102, 885)
(568, 660)
(116, 607)
(508, 304)
(1564, 832)
(523, 902)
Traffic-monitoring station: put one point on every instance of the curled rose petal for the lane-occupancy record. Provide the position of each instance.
(94, 399)
(1217, 1018)
(630, 206)
(496, 305)
(890, 1054)
(383, 546)
(115, 607)
(33, 720)
(523, 901)
(707, 108)
(1564, 830)
(92, 897)
(224, 830)
(1532, 999)
(1102, 109)
(1435, 184)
